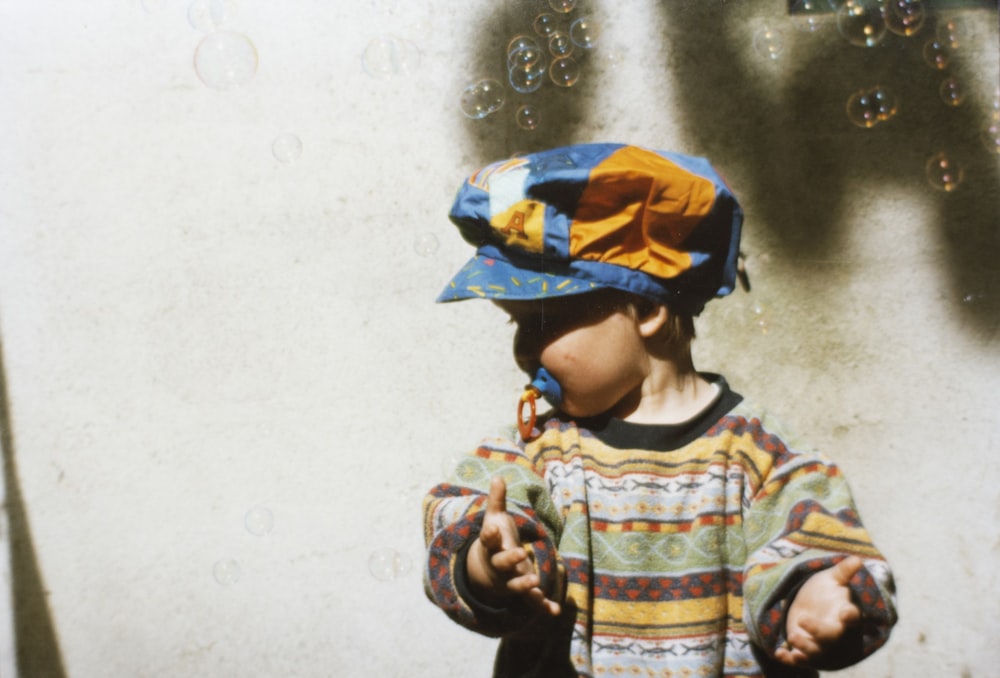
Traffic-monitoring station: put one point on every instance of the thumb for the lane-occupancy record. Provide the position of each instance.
(845, 570)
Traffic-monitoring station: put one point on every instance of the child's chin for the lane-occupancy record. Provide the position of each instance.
(579, 411)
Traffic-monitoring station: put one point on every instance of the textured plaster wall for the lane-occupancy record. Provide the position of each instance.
(197, 337)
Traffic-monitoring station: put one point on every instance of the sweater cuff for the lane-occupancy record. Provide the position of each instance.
(448, 583)
(858, 642)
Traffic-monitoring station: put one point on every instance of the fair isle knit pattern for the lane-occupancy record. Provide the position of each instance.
(678, 561)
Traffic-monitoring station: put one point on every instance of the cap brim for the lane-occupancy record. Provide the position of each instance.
(488, 276)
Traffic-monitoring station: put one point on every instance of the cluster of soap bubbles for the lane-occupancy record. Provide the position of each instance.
(865, 23)
(944, 171)
(548, 53)
(225, 59)
(387, 564)
(939, 48)
(938, 52)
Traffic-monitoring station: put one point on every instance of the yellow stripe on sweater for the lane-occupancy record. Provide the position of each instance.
(661, 618)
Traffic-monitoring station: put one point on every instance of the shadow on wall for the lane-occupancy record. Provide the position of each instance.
(37, 647)
(803, 160)
(799, 159)
(499, 135)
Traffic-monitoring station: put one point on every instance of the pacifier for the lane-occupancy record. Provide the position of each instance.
(543, 385)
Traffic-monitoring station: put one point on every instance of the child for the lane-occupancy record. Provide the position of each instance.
(654, 523)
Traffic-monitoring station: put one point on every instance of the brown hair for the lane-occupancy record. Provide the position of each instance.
(677, 331)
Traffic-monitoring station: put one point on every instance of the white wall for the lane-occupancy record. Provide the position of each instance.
(194, 332)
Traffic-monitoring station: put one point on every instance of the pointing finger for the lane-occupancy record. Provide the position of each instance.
(496, 502)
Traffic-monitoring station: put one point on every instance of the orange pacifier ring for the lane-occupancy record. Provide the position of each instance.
(544, 384)
(527, 428)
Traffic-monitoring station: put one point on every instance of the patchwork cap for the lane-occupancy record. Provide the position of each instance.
(579, 218)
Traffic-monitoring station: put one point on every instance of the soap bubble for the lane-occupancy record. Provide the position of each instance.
(527, 57)
(287, 148)
(425, 244)
(861, 111)
(759, 317)
(208, 15)
(904, 17)
(613, 58)
(861, 22)
(936, 55)
(387, 564)
(585, 32)
(944, 172)
(564, 72)
(808, 15)
(521, 42)
(259, 521)
(990, 135)
(952, 92)
(868, 107)
(226, 571)
(973, 298)
(769, 42)
(387, 56)
(527, 117)
(886, 103)
(949, 34)
(560, 44)
(562, 6)
(546, 24)
(224, 60)
(527, 80)
(482, 98)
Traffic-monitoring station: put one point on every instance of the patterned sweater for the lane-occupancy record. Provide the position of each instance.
(678, 548)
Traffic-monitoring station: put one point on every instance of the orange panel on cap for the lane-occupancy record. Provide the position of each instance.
(637, 210)
(522, 226)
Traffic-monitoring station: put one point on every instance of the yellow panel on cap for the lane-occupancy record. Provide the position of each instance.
(522, 225)
(637, 210)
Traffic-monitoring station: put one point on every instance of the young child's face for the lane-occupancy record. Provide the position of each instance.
(589, 342)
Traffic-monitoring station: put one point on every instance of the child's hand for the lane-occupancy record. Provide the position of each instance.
(820, 615)
(499, 568)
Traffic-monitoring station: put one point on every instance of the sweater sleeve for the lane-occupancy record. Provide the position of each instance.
(799, 518)
(453, 515)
